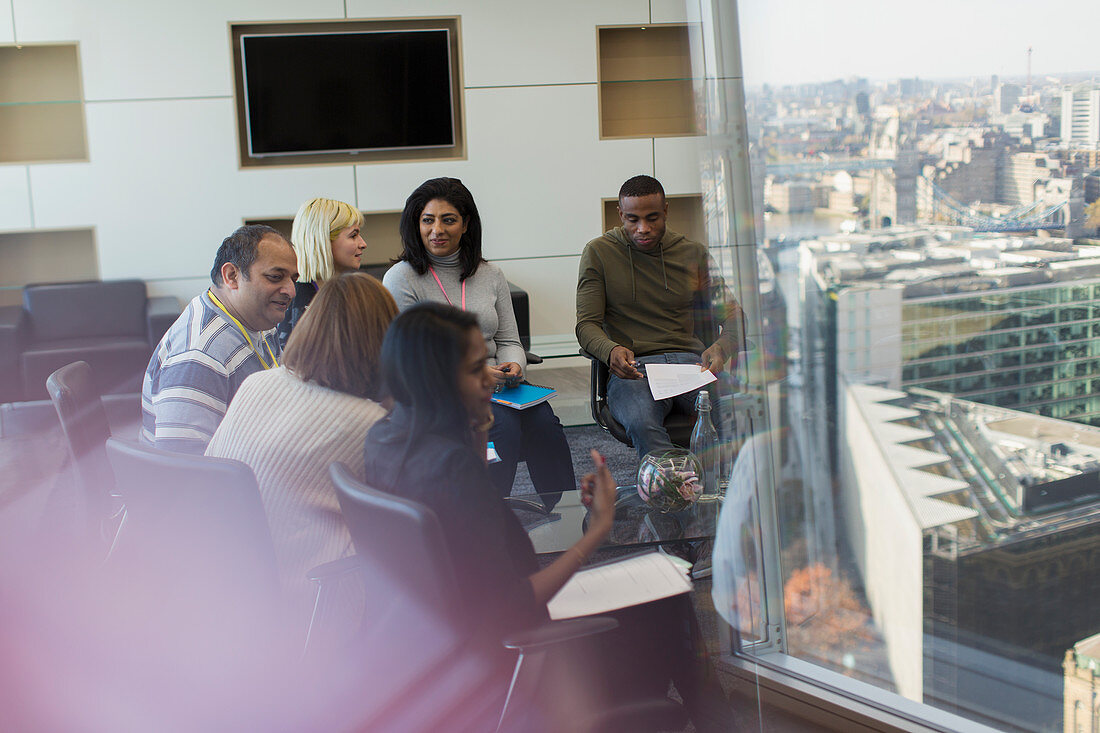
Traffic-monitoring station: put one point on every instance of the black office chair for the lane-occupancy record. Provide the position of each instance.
(195, 531)
(678, 424)
(447, 686)
(84, 423)
(411, 581)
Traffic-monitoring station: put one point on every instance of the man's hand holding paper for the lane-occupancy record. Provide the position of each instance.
(669, 380)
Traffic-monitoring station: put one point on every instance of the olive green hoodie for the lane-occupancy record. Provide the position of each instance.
(650, 301)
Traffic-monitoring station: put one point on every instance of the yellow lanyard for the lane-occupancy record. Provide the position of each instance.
(274, 362)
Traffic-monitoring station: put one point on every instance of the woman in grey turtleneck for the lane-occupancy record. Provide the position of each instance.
(442, 262)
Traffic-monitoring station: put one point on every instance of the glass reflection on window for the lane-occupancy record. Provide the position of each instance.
(930, 201)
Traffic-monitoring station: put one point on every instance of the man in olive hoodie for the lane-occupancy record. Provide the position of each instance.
(644, 295)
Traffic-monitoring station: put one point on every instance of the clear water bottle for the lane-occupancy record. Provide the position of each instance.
(705, 446)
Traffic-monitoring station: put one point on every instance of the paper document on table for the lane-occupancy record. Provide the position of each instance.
(669, 380)
(621, 584)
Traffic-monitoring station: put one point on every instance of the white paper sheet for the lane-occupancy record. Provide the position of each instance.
(669, 380)
(630, 582)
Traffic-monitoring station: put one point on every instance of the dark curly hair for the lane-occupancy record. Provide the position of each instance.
(457, 195)
(641, 186)
(240, 248)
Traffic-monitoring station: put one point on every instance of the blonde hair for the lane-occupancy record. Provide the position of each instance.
(315, 226)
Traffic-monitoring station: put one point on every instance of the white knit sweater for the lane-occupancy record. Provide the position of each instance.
(289, 432)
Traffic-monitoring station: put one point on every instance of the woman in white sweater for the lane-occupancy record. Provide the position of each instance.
(441, 262)
(291, 423)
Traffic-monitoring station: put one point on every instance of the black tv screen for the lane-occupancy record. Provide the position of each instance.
(347, 92)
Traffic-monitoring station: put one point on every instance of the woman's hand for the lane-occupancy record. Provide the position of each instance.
(598, 494)
(507, 373)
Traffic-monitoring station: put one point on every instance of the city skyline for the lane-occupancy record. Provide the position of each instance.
(801, 41)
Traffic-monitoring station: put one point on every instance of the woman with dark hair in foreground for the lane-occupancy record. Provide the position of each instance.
(431, 449)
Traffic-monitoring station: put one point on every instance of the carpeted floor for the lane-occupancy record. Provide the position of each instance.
(622, 461)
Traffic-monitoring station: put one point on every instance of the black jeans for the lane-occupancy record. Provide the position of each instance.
(534, 435)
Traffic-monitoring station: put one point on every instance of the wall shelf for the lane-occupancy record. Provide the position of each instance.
(41, 104)
(63, 255)
(645, 80)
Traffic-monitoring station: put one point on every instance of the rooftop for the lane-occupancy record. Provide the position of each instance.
(1088, 652)
(937, 260)
(995, 474)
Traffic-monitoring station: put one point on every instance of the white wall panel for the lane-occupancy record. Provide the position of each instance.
(66, 195)
(671, 11)
(135, 49)
(536, 169)
(15, 199)
(162, 210)
(676, 163)
(541, 170)
(183, 289)
(509, 43)
(384, 187)
(551, 285)
(7, 33)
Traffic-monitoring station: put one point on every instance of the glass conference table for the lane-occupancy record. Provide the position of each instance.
(637, 526)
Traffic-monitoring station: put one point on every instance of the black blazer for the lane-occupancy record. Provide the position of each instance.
(490, 550)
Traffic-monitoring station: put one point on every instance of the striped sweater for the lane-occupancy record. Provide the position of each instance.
(195, 371)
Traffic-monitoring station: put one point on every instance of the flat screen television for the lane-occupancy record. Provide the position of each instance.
(347, 92)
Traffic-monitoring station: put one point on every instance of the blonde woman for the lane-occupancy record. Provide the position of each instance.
(327, 236)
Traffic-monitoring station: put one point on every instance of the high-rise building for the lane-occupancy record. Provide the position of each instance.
(1004, 320)
(976, 531)
(1081, 114)
(970, 167)
(790, 197)
(1006, 97)
(1082, 686)
(863, 103)
(1021, 172)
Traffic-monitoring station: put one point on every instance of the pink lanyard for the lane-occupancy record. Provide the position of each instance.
(440, 284)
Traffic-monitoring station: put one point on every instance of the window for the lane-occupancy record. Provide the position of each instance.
(917, 516)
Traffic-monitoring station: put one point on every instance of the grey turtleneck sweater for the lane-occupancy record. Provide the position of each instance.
(487, 297)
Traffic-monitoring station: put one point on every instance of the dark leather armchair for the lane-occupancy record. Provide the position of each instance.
(113, 326)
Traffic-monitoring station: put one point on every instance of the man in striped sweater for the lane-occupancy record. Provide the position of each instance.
(224, 335)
